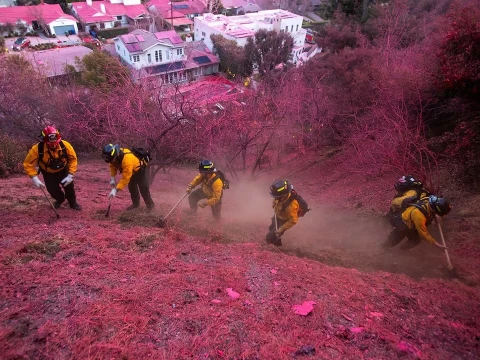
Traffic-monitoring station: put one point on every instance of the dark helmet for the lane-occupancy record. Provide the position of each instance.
(206, 166)
(439, 205)
(110, 152)
(280, 188)
(407, 182)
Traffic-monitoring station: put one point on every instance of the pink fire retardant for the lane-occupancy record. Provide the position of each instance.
(304, 309)
(232, 294)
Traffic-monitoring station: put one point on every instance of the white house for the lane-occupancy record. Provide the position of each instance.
(165, 55)
(49, 17)
(240, 28)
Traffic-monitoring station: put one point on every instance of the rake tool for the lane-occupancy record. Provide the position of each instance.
(162, 221)
(50, 202)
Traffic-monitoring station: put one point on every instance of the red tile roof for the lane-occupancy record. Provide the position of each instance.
(46, 12)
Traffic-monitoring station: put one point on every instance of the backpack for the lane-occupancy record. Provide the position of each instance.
(64, 156)
(396, 220)
(142, 154)
(301, 202)
(221, 175)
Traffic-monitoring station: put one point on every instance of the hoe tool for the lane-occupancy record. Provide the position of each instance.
(109, 206)
(53, 207)
(162, 221)
(450, 266)
(272, 237)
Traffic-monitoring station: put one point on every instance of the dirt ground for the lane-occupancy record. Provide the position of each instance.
(91, 287)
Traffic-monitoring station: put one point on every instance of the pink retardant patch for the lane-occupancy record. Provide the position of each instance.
(304, 309)
(232, 294)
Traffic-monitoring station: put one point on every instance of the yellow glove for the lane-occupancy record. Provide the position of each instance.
(203, 204)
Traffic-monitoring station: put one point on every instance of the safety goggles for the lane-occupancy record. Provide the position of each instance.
(52, 138)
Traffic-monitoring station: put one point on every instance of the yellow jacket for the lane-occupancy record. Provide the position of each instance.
(290, 214)
(31, 160)
(213, 190)
(129, 165)
(415, 219)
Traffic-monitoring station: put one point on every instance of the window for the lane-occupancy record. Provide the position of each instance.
(158, 55)
(149, 58)
(119, 17)
(286, 28)
(291, 29)
(203, 34)
(136, 58)
(118, 47)
(297, 28)
(179, 51)
(167, 55)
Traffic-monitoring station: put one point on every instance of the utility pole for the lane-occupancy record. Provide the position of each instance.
(171, 14)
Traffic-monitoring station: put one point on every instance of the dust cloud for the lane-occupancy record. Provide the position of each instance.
(334, 237)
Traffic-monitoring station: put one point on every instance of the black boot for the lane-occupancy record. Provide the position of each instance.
(132, 207)
(75, 206)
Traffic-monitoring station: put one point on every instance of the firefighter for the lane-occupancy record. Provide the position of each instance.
(57, 162)
(134, 174)
(413, 221)
(210, 193)
(288, 206)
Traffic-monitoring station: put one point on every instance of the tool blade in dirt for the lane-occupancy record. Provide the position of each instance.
(161, 222)
(49, 201)
(109, 206)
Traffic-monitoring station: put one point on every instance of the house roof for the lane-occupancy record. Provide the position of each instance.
(89, 14)
(94, 13)
(179, 21)
(52, 62)
(46, 12)
(139, 40)
(132, 11)
(190, 7)
(197, 54)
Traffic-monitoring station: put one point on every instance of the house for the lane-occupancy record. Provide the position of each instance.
(165, 56)
(172, 14)
(237, 7)
(240, 28)
(109, 14)
(53, 63)
(48, 17)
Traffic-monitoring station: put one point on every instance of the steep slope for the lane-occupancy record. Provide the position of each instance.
(87, 286)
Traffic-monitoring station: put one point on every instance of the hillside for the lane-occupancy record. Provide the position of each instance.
(91, 287)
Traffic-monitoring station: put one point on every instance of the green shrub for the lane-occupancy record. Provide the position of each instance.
(12, 153)
(111, 33)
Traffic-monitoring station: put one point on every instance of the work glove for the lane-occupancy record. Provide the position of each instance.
(67, 180)
(278, 233)
(203, 204)
(113, 193)
(37, 182)
(189, 189)
(112, 181)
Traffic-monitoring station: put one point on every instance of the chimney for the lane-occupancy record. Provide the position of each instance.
(89, 2)
(102, 8)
